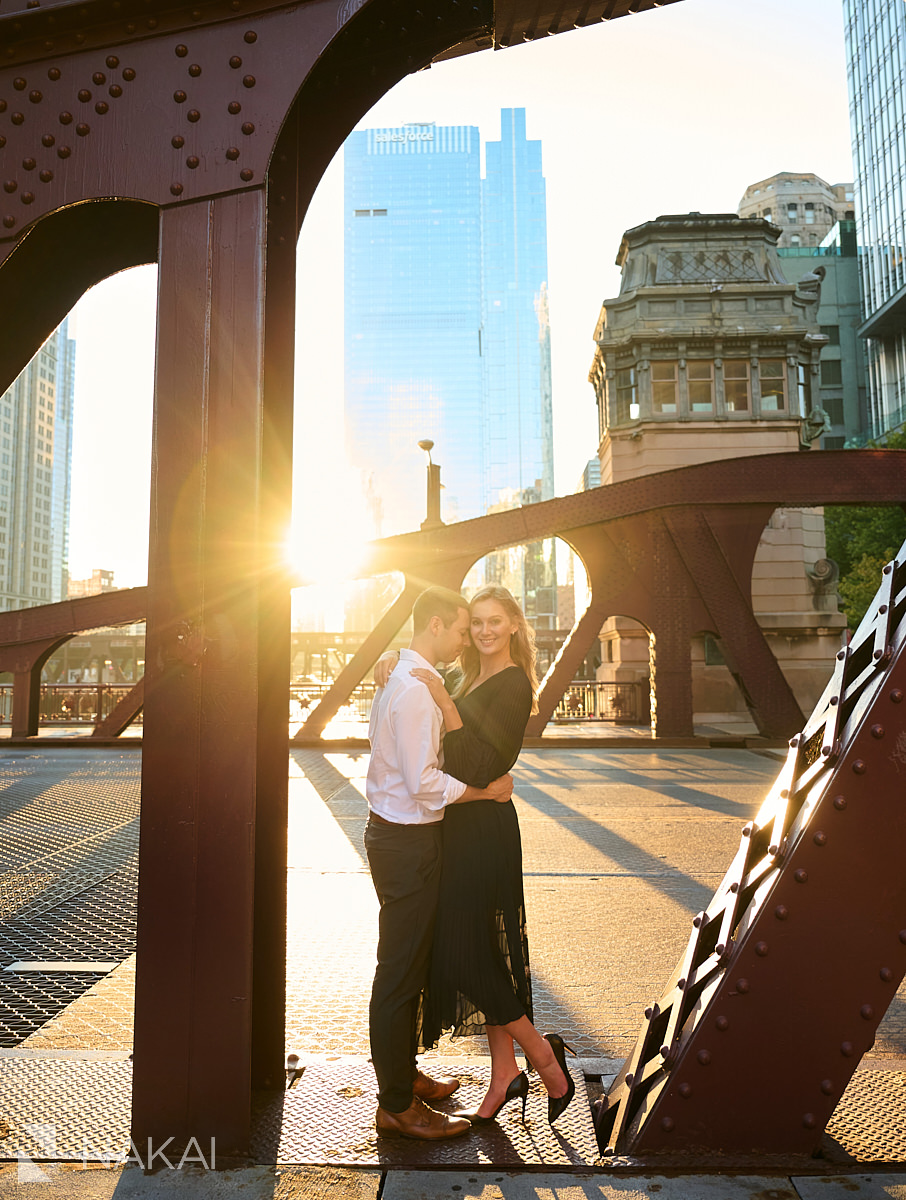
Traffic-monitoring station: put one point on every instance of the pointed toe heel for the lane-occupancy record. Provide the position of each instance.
(518, 1089)
(557, 1105)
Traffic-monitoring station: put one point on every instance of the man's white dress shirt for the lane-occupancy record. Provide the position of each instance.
(405, 783)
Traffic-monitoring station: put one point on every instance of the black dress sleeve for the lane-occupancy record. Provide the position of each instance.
(494, 717)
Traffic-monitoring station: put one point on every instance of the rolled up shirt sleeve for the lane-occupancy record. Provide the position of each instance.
(417, 722)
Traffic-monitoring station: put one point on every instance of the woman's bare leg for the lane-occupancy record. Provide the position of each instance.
(539, 1053)
(504, 1067)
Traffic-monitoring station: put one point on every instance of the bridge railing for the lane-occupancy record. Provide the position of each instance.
(592, 700)
(70, 704)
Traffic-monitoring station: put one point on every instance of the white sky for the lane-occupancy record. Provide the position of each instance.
(665, 112)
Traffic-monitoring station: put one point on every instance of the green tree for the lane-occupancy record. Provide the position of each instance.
(861, 540)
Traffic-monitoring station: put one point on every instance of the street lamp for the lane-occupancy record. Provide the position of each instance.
(432, 520)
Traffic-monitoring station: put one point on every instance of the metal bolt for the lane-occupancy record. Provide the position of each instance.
(841, 655)
(45, 176)
(801, 876)
(65, 118)
(649, 1013)
(232, 153)
(896, 696)
(29, 164)
(781, 912)
(250, 36)
(681, 985)
(877, 731)
(846, 1049)
(794, 742)
(193, 115)
(882, 608)
(629, 1078)
(177, 142)
(35, 97)
(195, 70)
(827, 1087)
(761, 949)
(84, 95)
(785, 794)
(180, 97)
(235, 62)
(112, 62)
(839, 803)
(859, 767)
(82, 129)
(54, 74)
(903, 936)
(48, 139)
(734, 888)
(9, 222)
(248, 128)
(27, 197)
(835, 699)
(742, 986)
(665, 1051)
(192, 161)
(101, 107)
(704, 1058)
(64, 152)
(234, 107)
(249, 81)
(246, 174)
(668, 1124)
(820, 839)
(719, 948)
(176, 189)
(886, 974)
(878, 654)
(721, 1024)
(115, 91)
(685, 1090)
(98, 77)
(10, 186)
(866, 1012)
(809, 1120)
(128, 74)
(773, 848)
(886, 570)
(20, 84)
(747, 831)
(17, 119)
(182, 51)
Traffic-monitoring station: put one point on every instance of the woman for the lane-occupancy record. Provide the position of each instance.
(480, 979)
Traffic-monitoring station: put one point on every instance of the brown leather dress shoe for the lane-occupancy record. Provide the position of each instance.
(420, 1122)
(426, 1088)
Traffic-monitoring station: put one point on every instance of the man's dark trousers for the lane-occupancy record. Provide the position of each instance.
(405, 862)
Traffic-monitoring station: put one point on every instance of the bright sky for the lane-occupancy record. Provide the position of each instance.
(665, 112)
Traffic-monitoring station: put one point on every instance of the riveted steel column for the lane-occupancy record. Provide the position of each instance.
(199, 774)
(671, 652)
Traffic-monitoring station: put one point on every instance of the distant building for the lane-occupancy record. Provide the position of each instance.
(100, 581)
(802, 205)
(875, 33)
(35, 472)
(709, 353)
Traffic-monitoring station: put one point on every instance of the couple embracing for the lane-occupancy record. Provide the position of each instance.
(445, 856)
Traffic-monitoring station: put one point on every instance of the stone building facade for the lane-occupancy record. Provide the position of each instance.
(708, 353)
(803, 206)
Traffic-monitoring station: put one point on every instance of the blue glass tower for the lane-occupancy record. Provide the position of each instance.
(516, 325)
(413, 364)
(876, 68)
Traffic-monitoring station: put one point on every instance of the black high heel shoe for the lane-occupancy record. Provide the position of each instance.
(557, 1105)
(518, 1089)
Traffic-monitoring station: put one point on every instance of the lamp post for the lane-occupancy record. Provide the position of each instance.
(432, 520)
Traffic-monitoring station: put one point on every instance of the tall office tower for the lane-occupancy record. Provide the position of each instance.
(35, 469)
(876, 69)
(517, 348)
(413, 365)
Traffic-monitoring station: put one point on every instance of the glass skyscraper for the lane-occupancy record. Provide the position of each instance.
(446, 321)
(876, 68)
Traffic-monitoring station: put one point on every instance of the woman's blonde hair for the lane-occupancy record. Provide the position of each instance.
(522, 643)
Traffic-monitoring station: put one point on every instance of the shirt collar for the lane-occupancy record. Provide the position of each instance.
(413, 656)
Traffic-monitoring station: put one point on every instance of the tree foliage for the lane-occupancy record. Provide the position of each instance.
(861, 540)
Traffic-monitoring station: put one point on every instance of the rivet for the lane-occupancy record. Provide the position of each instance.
(35, 97)
(886, 570)
(839, 803)
(846, 1049)
(794, 742)
(232, 153)
(64, 152)
(151, 22)
(685, 1090)
(131, 27)
(177, 141)
(20, 84)
(801, 876)
(827, 1087)
(84, 95)
(48, 140)
(841, 655)
(45, 176)
(809, 1120)
(192, 161)
(234, 107)
(128, 74)
(877, 731)
(54, 74)
(886, 974)
(903, 936)
(27, 197)
(703, 1058)
(9, 222)
(101, 107)
(99, 77)
(115, 91)
(248, 81)
(29, 164)
(195, 70)
(10, 186)
(742, 986)
(883, 608)
(112, 62)
(835, 700)
(248, 128)
(17, 119)
(858, 767)
(246, 174)
(181, 51)
(649, 1013)
(79, 37)
(235, 62)
(629, 1078)
(825, 751)
(773, 848)
(681, 984)
(878, 654)
(785, 794)
(176, 189)
(2, 141)
(719, 948)
(896, 696)
(668, 1124)
(722, 1024)
(180, 97)
(781, 912)
(747, 831)
(250, 36)
(197, 14)
(665, 1051)
(734, 887)
(761, 949)
(2, 106)
(65, 118)
(193, 115)
(82, 129)
(820, 839)
(866, 1012)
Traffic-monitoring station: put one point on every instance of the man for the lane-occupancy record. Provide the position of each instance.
(407, 793)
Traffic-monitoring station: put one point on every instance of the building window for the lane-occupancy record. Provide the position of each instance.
(833, 443)
(810, 214)
(627, 396)
(770, 382)
(833, 406)
(832, 333)
(736, 384)
(795, 240)
(700, 380)
(792, 213)
(768, 214)
(831, 372)
(663, 387)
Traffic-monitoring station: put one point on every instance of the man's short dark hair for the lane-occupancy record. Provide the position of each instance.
(437, 602)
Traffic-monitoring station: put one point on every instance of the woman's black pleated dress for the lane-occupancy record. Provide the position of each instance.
(480, 966)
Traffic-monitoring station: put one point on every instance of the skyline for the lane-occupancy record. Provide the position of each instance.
(604, 103)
